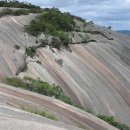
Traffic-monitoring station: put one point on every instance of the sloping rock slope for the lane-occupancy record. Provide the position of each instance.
(12, 118)
(95, 75)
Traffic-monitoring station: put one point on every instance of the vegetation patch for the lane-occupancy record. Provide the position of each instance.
(51, 21)
(30, 51)
(20, 12)
(82, 126)
(55, 23)
(59, 61)
(44, 88)
(17, 47)
(38, 86)
(23, 8)
(111, 120)
(79, 18)
(38, 62)
(41, 113)
(17, 12)
(17, 4)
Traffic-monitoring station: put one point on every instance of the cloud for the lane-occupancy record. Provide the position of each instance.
(104, 12)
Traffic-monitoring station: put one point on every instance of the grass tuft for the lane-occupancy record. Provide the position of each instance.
(41, 113)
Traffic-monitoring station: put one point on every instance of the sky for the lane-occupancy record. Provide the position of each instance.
(115, 13)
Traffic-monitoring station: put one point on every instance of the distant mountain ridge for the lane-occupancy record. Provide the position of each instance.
(126, 32)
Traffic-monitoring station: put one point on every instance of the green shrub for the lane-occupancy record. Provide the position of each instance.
(40, 87)
(34, 28)
(20, 12)
(65, 40)
(17, 47)
(35, 11)
(16, 82)
(56, 43)
(80, 19)
(39, 62)
(86, 39)
(51, 21)
(59, 61)
(17, 4)
(6, 11)
(113, 122)
(85, 31)
(44, 88)
(30, 51)
(77, 30)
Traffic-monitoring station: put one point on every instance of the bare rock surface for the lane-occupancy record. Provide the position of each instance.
(11, 34)
(95, 75)
(12, 118)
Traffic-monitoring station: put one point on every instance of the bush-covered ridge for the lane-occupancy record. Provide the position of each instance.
(55, 23)
(51, 21)
(17, 4)
(18, 12)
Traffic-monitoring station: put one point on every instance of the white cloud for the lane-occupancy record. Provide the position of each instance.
(101, 11)
(127, 1)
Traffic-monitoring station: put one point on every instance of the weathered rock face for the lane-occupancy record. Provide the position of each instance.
(12, 118)
(11, 34)
(95, 74)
